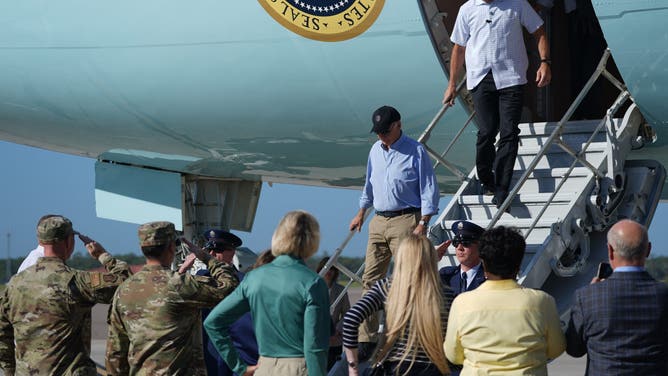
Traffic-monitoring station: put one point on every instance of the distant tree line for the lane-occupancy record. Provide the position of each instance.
(79, 260)
(658, 268)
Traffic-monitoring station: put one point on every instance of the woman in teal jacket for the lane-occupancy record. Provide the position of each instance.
(289, 304)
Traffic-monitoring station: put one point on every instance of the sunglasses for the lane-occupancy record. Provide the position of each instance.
(464, 243)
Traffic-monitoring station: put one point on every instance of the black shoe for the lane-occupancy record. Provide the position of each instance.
(486, 190)
(364, 351)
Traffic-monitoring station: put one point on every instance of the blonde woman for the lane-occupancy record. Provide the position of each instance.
(289, 304)
(416, 304)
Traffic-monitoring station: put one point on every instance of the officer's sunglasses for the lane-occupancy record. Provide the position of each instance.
(464, 243)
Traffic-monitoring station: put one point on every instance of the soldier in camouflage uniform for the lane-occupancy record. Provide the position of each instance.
(45, 310)
(154, 323)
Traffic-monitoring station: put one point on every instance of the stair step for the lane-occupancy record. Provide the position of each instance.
(540, 173)
(572, 139)
(521, 199)
(530, 250)
(510, 221)
(517, 211)
(594, 147)
(555, 160)
(572, 127)
(548, 185)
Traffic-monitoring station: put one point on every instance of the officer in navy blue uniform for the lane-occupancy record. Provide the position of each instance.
(222, 245)
(469, 274)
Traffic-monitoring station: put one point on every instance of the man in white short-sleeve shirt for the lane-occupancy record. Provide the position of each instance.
(31, 259)
(488, 36)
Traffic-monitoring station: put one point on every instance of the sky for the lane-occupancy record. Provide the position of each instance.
(37, 182)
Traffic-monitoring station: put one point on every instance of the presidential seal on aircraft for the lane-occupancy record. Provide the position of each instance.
(325, 20)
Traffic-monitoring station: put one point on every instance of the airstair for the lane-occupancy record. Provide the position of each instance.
(572, 180)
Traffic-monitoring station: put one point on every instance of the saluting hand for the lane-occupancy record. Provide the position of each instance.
(94, 248)
(442, 248)
(197, 251)
(187, 263)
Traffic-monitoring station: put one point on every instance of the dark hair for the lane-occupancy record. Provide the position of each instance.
(154, 251)
(502, 249)
(333, 268)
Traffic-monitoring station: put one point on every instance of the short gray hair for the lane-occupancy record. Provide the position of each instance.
(629, 245)
(297, 234)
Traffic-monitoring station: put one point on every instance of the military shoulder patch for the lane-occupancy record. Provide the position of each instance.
(325, 20)
(95, 279)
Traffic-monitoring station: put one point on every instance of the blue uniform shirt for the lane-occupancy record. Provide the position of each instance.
(243, 339)
(400, 177)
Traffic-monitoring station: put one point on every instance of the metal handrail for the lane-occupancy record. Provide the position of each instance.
(555, 138)
(333, 261)
(426, 134)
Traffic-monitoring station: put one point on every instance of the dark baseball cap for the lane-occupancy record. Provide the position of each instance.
(383, 118)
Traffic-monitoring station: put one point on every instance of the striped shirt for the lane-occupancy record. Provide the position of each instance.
(373, 301)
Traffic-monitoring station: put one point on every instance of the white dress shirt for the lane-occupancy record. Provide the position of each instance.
(470, 274)
(31, 259)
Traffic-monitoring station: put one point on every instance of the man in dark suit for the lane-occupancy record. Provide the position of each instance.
(621, 323)
(469, 274)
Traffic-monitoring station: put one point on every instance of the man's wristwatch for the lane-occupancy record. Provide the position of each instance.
(422, 223)
(546, 61)
(352, 365)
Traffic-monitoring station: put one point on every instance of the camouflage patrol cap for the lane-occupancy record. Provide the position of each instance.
(156, 233)
(54, 228)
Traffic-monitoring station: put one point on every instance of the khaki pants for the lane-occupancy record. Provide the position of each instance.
(281, 367)
(385, 234)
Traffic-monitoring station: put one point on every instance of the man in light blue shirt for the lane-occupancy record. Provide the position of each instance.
(488, 36)
(402, 188)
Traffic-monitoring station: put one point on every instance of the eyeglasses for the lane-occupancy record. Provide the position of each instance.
(464, 243)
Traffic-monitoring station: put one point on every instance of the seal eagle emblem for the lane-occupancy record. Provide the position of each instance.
(325, 20)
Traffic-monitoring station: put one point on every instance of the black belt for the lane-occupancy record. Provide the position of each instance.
(396, 213)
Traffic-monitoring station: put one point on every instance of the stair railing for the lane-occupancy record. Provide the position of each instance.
(426, 134)
(334, 261)
(555, 138)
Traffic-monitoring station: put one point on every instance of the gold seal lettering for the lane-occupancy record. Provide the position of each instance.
(339, 21)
